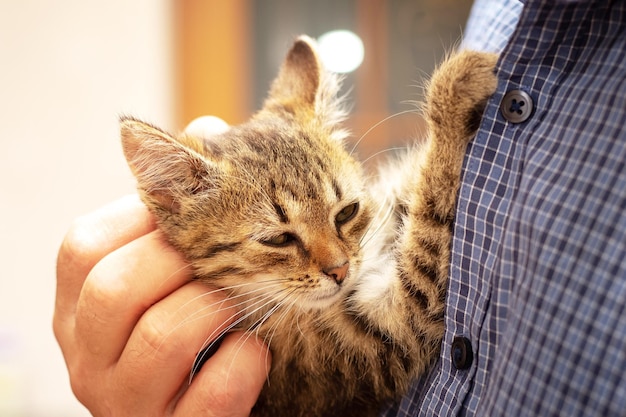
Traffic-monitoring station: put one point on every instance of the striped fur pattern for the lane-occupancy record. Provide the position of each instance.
(345, 284)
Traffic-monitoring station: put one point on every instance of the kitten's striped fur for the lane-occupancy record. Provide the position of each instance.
(276, 212)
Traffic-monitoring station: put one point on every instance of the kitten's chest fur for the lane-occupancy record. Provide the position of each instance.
(343, 276)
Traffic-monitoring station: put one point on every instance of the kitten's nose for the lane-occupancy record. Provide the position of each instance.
(337, 273)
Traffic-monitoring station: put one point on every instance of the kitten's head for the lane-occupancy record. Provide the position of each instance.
(275, 203)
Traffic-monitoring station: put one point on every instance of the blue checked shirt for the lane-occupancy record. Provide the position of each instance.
(538, 268)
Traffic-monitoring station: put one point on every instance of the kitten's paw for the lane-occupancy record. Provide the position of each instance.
(458, 91)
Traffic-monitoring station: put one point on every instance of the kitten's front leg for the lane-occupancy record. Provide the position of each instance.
(455, 100)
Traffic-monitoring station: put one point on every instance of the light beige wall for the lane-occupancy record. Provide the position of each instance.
(67, 69)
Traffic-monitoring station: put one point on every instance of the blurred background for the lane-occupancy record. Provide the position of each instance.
(69, 68)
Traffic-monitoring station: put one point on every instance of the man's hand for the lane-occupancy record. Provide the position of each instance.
(130, 321)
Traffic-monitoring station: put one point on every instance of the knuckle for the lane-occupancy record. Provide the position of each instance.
(105, 283)
(59, 328)
(102, 296)
(82, 380)
(154, 331)
(221, 395)
(80, 244)
(94, 390)
(79, 382)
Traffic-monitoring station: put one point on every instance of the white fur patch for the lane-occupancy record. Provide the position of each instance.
(376, 281)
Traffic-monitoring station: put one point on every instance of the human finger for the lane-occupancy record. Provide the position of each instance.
(230, 382)
(120, 289)
(89, 239)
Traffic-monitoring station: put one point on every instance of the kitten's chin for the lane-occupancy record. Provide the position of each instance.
(322, 298)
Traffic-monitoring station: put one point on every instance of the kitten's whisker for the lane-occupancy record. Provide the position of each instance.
(279, 320)
(285, 311)
(246, 336)
(273, 330)
(378, 124)
(213, 291)
(174, 274)
(382, 151)
(257, 300)
(382, 223)
(256, 326)
(197, 314)
(232, 287)
(279, 303)
(264, 294)
(214, 338)
(260, 301)
(267, 300)
(368, 235)
(298, 325)
(243, 294)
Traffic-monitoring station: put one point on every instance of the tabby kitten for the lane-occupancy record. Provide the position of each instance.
(346, 285)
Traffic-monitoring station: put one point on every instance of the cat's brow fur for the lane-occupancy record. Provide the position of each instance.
(345, 278)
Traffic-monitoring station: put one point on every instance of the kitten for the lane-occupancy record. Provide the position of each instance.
(346, 285)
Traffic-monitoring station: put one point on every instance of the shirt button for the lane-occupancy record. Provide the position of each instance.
(516, 106)
(462, 354)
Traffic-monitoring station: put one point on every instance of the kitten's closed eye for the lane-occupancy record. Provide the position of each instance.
(347, 214)
(281, 240)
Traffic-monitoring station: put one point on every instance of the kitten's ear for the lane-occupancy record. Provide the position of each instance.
(300, 76)
(168, 170)
(304, 88)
